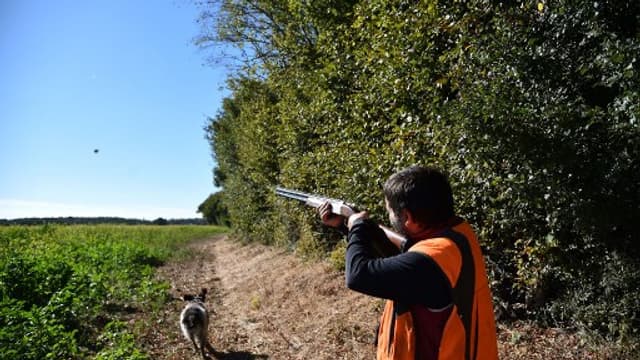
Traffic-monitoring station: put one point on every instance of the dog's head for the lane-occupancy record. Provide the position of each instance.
(196, 298)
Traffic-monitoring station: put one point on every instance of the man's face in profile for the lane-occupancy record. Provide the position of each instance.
(397, 222)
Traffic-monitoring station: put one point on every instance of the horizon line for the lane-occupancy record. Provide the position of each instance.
(23, 209)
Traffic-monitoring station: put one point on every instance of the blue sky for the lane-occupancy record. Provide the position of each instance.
(119, 76)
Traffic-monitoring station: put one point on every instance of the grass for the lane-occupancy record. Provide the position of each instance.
(66, 290)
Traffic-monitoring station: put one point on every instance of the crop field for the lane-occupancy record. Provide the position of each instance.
(66, 292)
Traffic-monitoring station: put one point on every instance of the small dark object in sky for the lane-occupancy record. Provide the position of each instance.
(95, 151)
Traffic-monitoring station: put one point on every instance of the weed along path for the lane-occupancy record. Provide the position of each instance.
(266, 303)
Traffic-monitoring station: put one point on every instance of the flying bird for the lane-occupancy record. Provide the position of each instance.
(95, 151)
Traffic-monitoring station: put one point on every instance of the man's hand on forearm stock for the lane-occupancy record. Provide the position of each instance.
(328, 217)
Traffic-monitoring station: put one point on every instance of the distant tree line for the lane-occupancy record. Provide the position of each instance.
(532, 107)
(100, 220)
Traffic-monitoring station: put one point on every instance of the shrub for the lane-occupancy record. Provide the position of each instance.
(531, 107)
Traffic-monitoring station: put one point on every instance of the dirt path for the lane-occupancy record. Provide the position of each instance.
(269, 304)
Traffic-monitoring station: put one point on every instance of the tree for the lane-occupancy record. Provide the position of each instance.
(214, 211)
(160, 221)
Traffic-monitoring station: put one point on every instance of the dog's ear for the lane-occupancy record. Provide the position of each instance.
(203, 293)
(187, 297)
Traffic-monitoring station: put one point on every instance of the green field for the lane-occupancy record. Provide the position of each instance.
(66, 290)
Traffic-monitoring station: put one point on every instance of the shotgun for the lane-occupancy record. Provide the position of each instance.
(339, 207)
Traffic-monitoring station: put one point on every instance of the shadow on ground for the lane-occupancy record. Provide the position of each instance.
(239, 355)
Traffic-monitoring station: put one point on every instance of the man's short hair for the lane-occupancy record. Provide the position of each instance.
(424, 191)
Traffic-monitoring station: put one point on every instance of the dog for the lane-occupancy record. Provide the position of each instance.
(194, 322)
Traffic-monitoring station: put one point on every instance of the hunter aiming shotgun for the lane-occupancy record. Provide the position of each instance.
(339, 207)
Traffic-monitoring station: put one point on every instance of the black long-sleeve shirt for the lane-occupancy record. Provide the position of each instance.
(410, 277)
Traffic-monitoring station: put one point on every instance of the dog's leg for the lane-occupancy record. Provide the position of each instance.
(201, 343)
(195, 346)
(211, 350)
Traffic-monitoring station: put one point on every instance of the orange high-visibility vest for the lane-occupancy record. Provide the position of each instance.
(469, 332)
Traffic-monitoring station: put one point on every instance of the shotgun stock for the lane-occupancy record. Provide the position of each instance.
(339, 207)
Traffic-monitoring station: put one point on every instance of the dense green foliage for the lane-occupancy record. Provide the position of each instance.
(214, 211)
(532, 107)
(64, 290)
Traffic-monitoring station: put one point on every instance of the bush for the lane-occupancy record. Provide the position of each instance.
(531, 107)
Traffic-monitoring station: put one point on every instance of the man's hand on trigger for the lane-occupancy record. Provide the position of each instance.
(357, 216)
(328, 217)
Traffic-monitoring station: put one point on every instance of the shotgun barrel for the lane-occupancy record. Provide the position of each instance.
(339, 207)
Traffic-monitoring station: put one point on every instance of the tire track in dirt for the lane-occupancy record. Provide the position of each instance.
(265, 303)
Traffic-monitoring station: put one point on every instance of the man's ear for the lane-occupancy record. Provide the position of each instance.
(410, 222)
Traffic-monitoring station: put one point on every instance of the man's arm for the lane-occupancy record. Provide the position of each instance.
(389, 244)
(411, 277)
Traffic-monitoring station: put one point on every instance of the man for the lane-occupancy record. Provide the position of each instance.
(439, 302)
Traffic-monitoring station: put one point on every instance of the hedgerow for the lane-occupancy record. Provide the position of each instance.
(532, 107)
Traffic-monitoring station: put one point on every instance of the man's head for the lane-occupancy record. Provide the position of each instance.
(421, 193)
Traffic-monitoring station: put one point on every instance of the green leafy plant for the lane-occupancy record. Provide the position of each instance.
(531, 107)
(60, 286)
